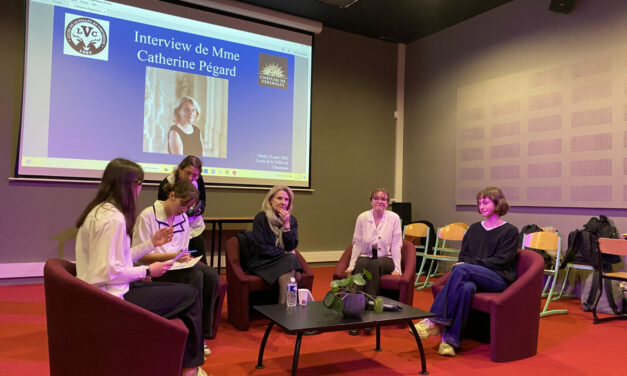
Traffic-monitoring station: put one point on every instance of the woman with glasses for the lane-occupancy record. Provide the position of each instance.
(189, 169)
(377, 242)
(104, 258)
(184, 136)
(171, 213)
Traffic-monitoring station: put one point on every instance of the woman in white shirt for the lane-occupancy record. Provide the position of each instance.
(104, 258)
(171, 212)
(377, 242)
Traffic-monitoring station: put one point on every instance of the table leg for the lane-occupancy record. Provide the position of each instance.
(213, 240)
(299, 338)
(423, 361)
(219, 245)
(262, 347)
(378, 348)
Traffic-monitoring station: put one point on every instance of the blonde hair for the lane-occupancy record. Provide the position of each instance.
(182, 100)
(495, 194)
(265, 205)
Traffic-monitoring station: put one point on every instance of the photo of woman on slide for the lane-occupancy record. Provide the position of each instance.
(185, 114)
(184, 136)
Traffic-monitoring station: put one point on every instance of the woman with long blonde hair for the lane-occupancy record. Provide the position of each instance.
(275, 235)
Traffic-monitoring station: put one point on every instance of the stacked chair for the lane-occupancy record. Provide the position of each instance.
(416, 233)
(616, 247)
(453, 232)
(551, 243)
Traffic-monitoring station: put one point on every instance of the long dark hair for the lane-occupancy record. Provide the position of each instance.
(190, 160)
(117, 187)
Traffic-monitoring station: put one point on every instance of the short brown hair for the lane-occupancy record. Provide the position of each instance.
(377, 190)
(495, 195)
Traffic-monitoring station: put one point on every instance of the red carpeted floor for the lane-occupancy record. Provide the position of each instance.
(569, 345)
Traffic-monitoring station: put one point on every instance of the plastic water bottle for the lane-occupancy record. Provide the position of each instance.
(292, 293)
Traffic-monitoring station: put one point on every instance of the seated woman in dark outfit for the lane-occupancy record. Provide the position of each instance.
(275, 235)
(487, 262)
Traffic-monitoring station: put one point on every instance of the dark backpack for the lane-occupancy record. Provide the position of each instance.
(583, 245)
(583, 248)
(529, 229)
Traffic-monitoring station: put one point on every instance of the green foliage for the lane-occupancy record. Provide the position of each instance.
(348, 285)
(378, 304)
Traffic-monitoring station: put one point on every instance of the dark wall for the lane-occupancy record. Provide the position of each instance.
(352, 144)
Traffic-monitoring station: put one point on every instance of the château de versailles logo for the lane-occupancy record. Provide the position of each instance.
(273, 71)
(86, 37)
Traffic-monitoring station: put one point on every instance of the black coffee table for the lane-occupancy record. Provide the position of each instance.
(315, 317)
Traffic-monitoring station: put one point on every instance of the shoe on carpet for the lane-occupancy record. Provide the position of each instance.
(206, 350)
(368, 331)
(200, 372)
(446, 349)
(354, 332)
(426, 328)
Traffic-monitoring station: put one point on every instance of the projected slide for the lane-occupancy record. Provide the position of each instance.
(553, 136)
(105, 80)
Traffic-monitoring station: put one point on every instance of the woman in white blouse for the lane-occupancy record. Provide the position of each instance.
(377, 242)
(104, 258)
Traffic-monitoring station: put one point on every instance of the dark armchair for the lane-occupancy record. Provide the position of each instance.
(244, 288)
(509, 320)
(91, 332)
(399, 288)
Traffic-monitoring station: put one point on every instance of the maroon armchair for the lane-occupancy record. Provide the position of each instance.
(396, 287)
(244, 288)
(91, 332)
(512, 317)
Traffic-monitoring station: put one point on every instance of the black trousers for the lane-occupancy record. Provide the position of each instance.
(173, 300)
(205, 280)
(378, 267)
(198, 243)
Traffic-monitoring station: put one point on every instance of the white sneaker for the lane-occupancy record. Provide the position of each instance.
(207, 350)
(200, 372)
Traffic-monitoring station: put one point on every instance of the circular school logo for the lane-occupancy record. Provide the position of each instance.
(86, 36)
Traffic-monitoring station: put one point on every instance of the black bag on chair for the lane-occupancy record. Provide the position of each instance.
(583, 248)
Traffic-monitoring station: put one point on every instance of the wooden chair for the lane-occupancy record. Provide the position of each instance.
(453, 232)
(569, 266)
(549, 242)
(400, 288)
(245, 288)
(460, 224)
(609, 247)
(415, 233)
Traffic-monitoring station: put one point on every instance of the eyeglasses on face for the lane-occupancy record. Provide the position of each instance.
(380, 198)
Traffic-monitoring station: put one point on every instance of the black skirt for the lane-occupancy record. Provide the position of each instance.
(271, 268)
